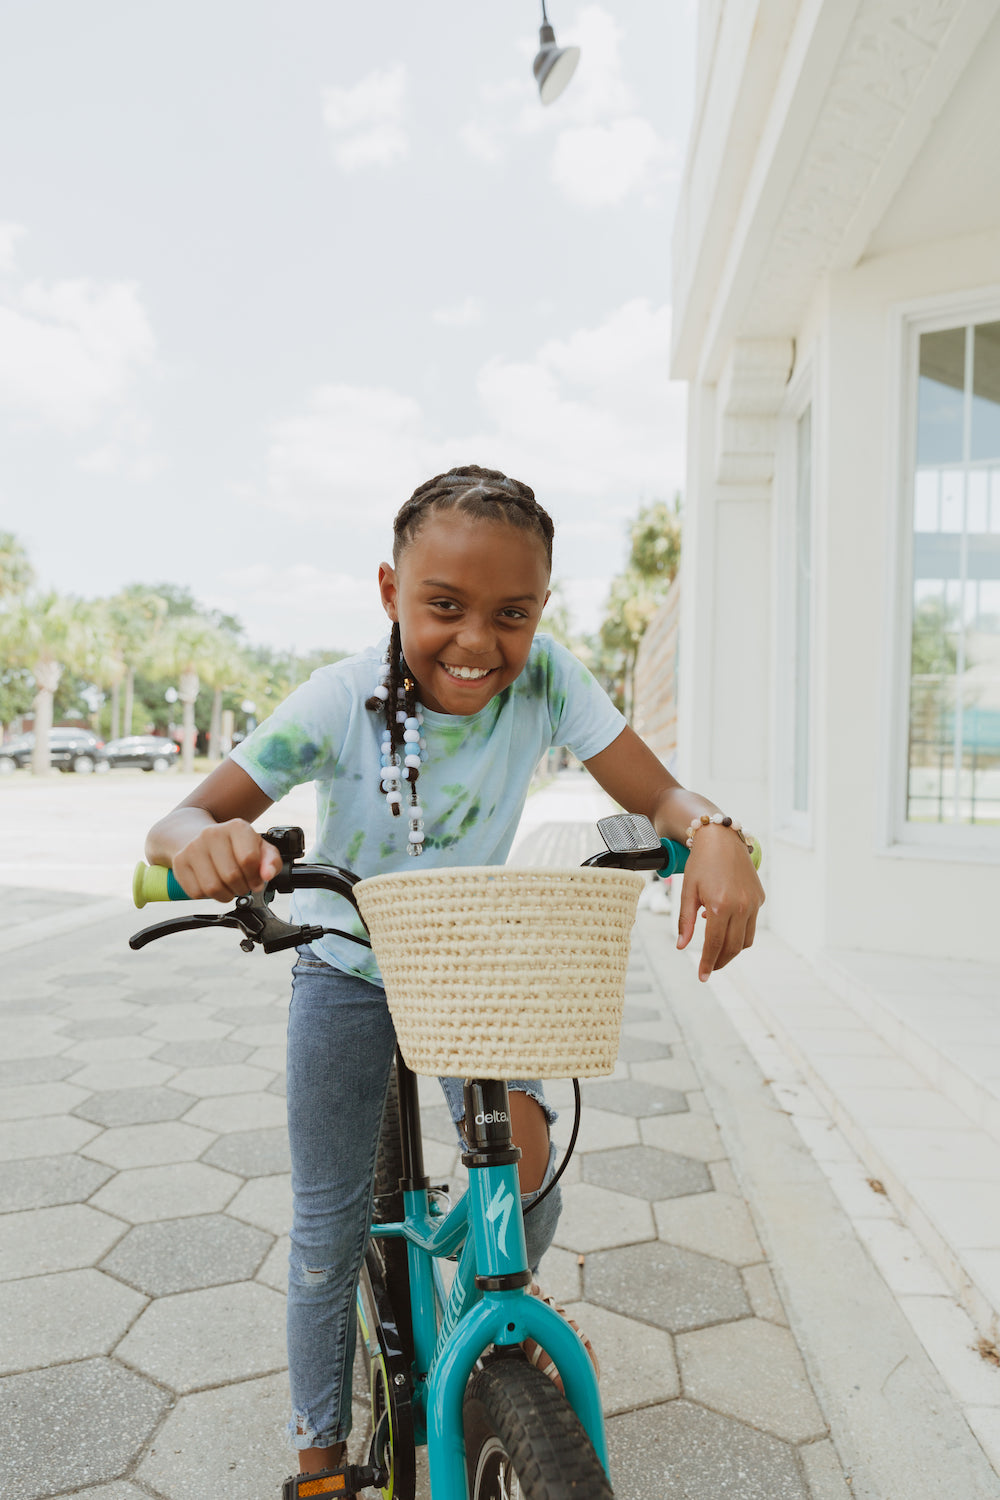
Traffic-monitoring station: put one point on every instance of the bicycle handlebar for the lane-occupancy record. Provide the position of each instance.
(158, 883)
(631, 843)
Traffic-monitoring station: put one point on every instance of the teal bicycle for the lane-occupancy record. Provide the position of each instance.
(446, 1366)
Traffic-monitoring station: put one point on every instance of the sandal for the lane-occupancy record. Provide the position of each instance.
(537, 1356)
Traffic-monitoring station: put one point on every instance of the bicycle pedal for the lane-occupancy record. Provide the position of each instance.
(345, 1481)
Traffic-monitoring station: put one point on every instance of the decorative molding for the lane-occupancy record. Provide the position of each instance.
(891, 50)
(749, 398)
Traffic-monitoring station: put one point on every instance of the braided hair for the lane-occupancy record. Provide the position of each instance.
(486, 495)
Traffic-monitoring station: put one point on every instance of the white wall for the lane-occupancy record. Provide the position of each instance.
(884, 896)
(843, 884)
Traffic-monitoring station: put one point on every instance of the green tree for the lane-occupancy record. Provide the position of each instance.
(933, 651)
(16, 573)
(226, 671)
(45, 634)
(635, 595)
(137, 616)
(556, 619)
(16, 577)
(188, 650)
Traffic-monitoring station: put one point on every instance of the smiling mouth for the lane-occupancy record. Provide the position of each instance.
(467, 674)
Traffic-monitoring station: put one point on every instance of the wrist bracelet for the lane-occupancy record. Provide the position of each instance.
(724, 822)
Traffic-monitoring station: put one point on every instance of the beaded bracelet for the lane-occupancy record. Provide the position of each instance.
(724, 822)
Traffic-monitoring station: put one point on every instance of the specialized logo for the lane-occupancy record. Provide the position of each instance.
(499, 1207)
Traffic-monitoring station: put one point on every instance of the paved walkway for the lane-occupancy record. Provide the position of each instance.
(144, 1200)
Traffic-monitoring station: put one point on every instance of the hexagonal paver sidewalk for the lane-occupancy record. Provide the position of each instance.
(145, 1202)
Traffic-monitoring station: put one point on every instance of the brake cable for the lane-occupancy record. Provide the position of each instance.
(577, 1107)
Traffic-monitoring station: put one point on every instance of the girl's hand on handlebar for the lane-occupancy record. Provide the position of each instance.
(226, 860)
(721, 879)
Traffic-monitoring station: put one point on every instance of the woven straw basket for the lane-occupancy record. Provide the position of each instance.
(492, 972)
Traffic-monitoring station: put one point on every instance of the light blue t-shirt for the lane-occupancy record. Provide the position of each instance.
(472, 785)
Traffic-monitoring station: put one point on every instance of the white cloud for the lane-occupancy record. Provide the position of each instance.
(592, 421)
(592, 417)
(366, 121)
(598, 165)
(349, 456)
(71, 349)
(126, 451)
(481, 142)
(302, 606)
(460, 314)
(9, 235)
(595, 412)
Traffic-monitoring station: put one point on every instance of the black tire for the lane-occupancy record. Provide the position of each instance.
(523, 1441)
(389, 1206)
(384, 1310)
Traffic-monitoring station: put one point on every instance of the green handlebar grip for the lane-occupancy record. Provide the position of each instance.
(155, 883)
(677, 856)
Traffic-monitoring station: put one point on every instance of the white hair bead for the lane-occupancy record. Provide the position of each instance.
(402, 764)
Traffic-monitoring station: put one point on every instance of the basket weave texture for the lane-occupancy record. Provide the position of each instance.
(492, 972)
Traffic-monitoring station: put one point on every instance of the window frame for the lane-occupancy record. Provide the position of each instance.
(900, 836)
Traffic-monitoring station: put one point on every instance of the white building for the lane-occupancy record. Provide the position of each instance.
(837, 314)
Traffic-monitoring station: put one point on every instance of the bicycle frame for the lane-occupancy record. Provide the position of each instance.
(489, 1303)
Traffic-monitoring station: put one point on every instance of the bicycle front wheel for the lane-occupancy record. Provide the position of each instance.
(523, 1440)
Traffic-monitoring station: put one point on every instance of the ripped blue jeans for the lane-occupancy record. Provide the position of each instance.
(340, 1049)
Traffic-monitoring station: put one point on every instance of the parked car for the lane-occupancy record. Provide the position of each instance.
(150, 752)
(70, 749)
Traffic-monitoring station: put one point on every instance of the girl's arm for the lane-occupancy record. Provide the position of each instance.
(719, 878)
(209, 842)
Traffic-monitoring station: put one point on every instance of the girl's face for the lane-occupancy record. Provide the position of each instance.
(468, 595)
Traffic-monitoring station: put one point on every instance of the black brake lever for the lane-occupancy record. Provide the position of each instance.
(252, 915)
(180, 924)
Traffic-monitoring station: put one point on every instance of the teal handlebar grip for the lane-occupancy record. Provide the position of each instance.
(678, 855)
(155, 883)
(676, 858)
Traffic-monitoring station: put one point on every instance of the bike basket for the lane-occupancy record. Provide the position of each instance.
(493, 972)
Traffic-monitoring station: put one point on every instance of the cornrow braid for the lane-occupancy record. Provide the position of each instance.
(487, 495)
(484, 493)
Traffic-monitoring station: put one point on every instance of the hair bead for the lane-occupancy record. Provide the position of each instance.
(400, 743)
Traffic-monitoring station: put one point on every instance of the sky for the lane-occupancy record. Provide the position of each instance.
(264, 269)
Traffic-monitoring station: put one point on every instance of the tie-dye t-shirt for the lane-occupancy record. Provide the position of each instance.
(472, 786)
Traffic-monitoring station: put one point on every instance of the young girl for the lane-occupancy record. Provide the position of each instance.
(424, 749)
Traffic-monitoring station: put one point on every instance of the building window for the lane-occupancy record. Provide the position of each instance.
(953, 772)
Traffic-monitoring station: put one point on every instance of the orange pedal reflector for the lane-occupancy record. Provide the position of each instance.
(329, 1486)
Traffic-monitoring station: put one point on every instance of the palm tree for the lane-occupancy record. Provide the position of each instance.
(16, 573)
(188, 648)
(46, 634)
(16, 577)
(137, 614)
(227, 669)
